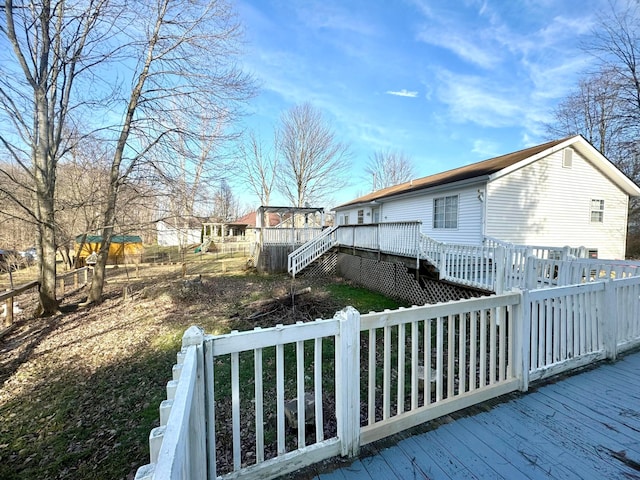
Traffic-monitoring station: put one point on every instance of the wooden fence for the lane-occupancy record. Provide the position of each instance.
(64, 282)
(363, 377)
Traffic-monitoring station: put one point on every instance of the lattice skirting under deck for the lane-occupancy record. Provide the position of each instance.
(325, 266)
(394, 280)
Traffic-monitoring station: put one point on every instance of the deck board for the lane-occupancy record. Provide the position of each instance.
(580, 427)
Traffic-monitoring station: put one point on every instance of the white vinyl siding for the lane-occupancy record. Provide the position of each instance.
(546, 204)
(420, 208)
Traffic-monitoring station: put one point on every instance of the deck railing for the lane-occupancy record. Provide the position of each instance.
(494, 266)
(415, 364)
(396, 238)
(310, 251)
(288, 236)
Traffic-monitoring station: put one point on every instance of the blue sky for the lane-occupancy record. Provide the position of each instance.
(447, 82)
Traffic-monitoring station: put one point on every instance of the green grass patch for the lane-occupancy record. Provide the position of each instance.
(362, 299)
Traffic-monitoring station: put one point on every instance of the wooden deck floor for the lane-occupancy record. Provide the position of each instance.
(586, 426)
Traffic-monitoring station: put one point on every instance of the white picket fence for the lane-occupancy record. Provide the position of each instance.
(364, 377)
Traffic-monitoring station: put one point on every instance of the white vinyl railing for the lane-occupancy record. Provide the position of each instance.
(288, 236)
(177, 448)
(494, 266)
(310, 251)
(415, 364)
(396, 238)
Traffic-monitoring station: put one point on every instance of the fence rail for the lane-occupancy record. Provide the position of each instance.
(294, 398)
(75, 278)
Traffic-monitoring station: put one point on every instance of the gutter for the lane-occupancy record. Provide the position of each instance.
(414, 193)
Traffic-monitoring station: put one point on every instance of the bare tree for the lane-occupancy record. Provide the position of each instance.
(259, 167)
(387, 168)
(225, 204)
(605, 108)
(185, 65)
(53, 45)
(314, 164)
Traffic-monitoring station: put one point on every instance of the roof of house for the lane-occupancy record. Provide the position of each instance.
(494, 165)
(250, 219)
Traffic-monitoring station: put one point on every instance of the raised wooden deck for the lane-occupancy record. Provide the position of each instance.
(585, 426)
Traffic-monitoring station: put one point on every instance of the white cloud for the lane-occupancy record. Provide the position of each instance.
(323, 15)
(477, 100)
(462, 44)
(402, 93)
(486, 148)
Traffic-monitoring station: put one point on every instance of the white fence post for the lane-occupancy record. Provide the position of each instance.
(608, 321)
(523, 340)
(197, 425)
(500, 269)
(530, 273)
(348, 381)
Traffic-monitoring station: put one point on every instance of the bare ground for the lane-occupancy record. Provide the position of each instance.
(80, 391)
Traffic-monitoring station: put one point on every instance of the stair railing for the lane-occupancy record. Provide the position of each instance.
(312, 250)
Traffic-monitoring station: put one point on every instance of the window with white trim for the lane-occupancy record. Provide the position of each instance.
(343, 219)
(360, 217)
(445, 212)
(597, 211)
(567, 157)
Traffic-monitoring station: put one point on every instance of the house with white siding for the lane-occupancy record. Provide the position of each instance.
(559, 193)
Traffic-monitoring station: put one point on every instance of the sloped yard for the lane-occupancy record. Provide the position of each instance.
(79, 392)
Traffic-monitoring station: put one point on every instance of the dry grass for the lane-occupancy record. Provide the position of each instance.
(79, 392)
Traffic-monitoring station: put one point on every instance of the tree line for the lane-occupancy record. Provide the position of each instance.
(116, 114)
(604, 107)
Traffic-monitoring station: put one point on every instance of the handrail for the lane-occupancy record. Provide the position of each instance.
(310, 251)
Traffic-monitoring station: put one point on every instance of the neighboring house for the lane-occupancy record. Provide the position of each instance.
(179, 232)
(241, 230)
(555, 194)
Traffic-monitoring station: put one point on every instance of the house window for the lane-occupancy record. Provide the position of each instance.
(344, 219)
(360, 217)
(567, 158)
(597, 211)
(445, 212)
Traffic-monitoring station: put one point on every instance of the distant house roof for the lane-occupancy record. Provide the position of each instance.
(114, 239)
(497, 164)
(250, 219)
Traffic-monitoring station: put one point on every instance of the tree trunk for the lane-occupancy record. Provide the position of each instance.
(48, 302)
(45, 179)
(99, 270)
